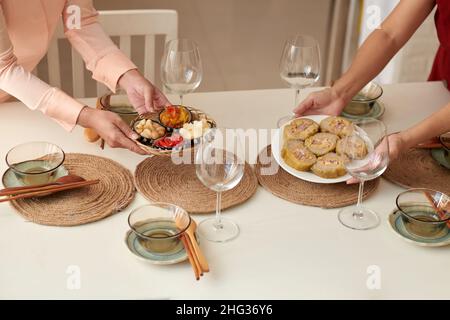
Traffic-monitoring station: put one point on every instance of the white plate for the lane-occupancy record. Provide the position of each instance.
(277, 145)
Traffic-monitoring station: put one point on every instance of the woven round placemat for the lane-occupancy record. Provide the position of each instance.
(290, 188)
(113, 193)
(417, 169)
(159, 179)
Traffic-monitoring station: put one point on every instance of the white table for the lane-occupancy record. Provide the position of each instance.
(284, 250)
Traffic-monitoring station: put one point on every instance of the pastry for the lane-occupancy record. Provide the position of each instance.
(329, 166)
(321, 143)
(297, 156)
(300, 129)
(337, 125)
(354, 147)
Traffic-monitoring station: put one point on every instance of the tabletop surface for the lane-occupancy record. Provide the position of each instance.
(284, 251)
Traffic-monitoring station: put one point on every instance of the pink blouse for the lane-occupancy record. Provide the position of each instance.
(26, 29)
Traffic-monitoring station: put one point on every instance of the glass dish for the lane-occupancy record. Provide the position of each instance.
(35, 162)
(156, 228)
(118, 103)
(425, 212)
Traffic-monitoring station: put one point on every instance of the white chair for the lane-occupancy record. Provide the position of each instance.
(124, 24)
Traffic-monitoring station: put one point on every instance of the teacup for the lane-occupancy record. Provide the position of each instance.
(445, 141)
(155, 227)
(425, 212)
(120, 105)
(35, 162)
(363, 102)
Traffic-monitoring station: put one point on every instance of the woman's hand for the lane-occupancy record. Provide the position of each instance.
(143, 95)
(326, 101)
(111, 128)
(397, 146)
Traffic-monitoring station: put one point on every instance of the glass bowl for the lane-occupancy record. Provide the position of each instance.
(35, 162)
(445, 141)
(118, 103)
(363, 102)
(425, 212)
(159, 226)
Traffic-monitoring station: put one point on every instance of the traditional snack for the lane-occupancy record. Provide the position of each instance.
(174, 117)
(300, 129)
(337, 125)
(91, 135)
(321, 143)
(352, 147)
(150, 129)
(329, 166)
(195, 129)
(297, 156)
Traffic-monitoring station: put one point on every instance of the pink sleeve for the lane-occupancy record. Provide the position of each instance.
(100, 54)
(34, 93)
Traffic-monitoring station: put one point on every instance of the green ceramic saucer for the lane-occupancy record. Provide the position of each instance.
(396, 223)
(376, 111)
(439, 156)
(10, 180)
(132, 243)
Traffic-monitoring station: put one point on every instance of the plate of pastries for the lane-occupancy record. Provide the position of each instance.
(311, 148)
(173, 128)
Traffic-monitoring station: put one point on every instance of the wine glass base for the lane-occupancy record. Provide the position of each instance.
(358, 218)
(208, 229)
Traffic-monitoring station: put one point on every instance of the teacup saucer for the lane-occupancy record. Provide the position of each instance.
(396, 223)
(132, 243)
(439, 156)
(10, 180)
(376, 111)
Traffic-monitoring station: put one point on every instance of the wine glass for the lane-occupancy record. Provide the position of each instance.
(299, 65)
(181, 67)
(364, 167)
(220, 167)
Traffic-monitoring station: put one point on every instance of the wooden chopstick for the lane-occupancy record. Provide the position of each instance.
(431, 145)
(190, 256)
(198, 253)
(438, 210)
(194, 255)
(23, 190)
(52, 190)
(13, 190)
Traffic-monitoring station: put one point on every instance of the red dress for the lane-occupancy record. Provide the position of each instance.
(441, 66)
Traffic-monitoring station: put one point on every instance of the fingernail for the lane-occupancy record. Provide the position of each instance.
(134, 136)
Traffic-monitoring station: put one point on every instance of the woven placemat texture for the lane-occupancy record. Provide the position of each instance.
(75, 207)
(159, 179)
(417, 169)
(290, 188)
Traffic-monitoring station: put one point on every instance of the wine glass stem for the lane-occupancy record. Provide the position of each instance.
(181, 99)
(297, 95)
(358, 212)
(218, 223)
